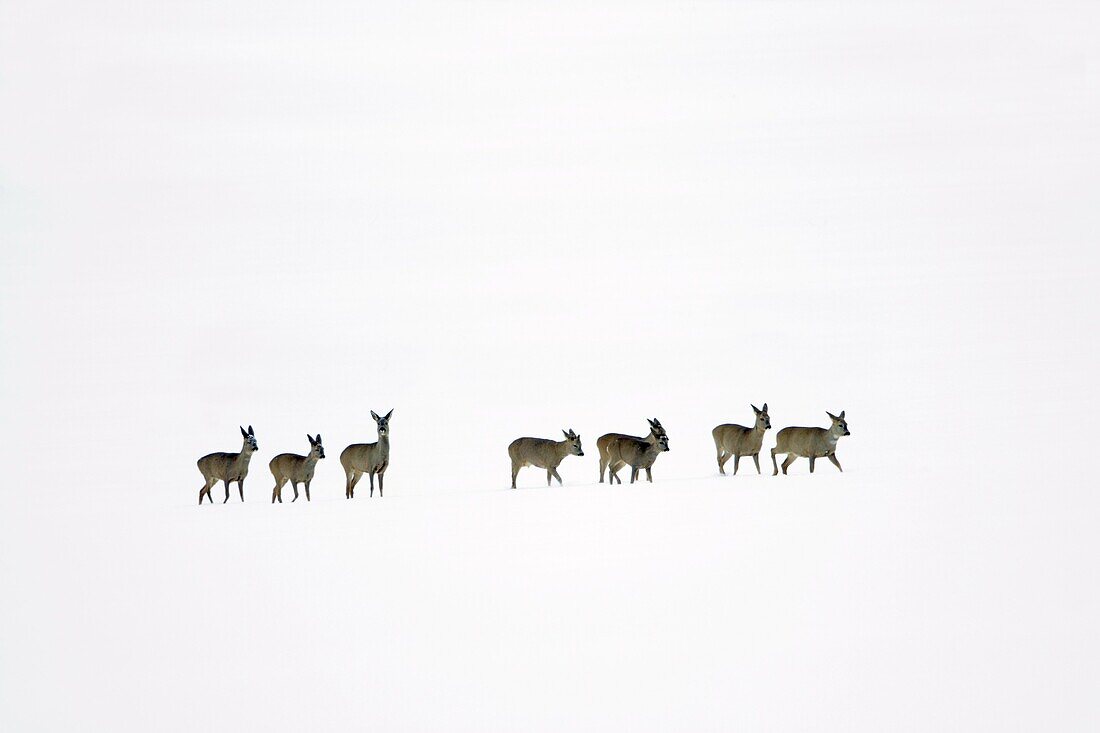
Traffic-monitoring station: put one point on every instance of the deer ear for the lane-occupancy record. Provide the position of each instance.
(243, 432)
(765, 407)
(831, 415)
(566, 434)
(251, 431)
(374, 415)
(754, 408)
(318, 437)
(310, 438)
(842, 414)
(389, 413)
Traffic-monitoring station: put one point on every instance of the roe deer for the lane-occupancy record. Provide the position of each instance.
(368, 458)
(633, 452)
(737, 440)
(295, 469)
(603, 443)
(543, 453)
(812, 443)
(227, 467)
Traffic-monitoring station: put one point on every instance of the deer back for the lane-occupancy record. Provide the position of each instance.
(803, 441)
(737, 438)
(539, 452)
(365, 457)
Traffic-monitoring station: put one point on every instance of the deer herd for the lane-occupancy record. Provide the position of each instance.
(616, 451)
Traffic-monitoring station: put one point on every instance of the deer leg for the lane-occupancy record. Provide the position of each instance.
(603, 465)
(240, 487)
(756, 460)
(736, 462)
(789, 460)
(295, 485)
(515, 472)
(307, 490)
(381, 478)
(371, 475)
(649, 474)
(353, 479)
(832, 457)
(206, 490)
(774, 464)
(549, 476)
(634, 474)
(722, 458)
(557, 476)
(226, 491)
(276, 493)
(812, 460)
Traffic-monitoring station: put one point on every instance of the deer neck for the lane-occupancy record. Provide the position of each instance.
(244, 456)
(384, 444)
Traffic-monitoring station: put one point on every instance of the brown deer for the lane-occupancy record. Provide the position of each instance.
(295, 469)
(543, 453)
(634, 452)
(603, 443)
(812, 443)
(737, 440)
(368, 458)
(227, 467)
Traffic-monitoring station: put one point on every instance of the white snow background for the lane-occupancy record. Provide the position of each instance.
(505, 219)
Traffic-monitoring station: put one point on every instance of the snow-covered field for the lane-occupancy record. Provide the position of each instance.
(508, 219)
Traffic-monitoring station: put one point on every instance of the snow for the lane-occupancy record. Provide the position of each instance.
(512, 219)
